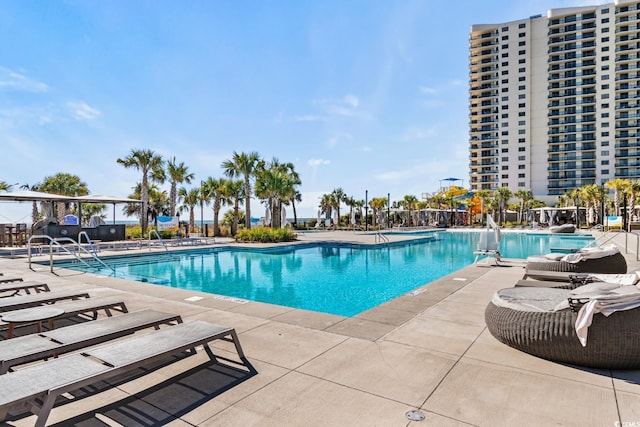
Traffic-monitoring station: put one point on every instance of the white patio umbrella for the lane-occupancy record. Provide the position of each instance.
(353, 217)
(592, 215)
(283, 217)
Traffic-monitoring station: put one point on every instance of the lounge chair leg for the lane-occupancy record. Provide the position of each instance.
(44, 410)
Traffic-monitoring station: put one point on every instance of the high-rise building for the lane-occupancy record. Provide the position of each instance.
(554, 101)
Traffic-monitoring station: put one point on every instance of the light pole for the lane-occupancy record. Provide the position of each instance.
(388, 210)
(366, 210)
(202, 208)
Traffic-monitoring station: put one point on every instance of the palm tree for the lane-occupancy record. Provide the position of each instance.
(619, 186)
(526, 197)
(589, 193)
(214, 190)
(377, 204)
(151, 165)
(408, 203)
(64, 184)
(484, 196)
(326, 205)
(34, 204)
(245, 165)
(234, 192)
(351, 202)
(190, 198)
(633, 190)
(276, 187)
(502, 194)
(338, 196)
(4, 186)
(158, 202)
(178, 174)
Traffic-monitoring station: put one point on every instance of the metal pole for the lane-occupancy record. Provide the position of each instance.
(388, 210)
(366, 210)
(201, 208)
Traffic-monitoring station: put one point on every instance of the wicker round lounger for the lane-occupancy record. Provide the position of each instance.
(612, 264)
(613, 342)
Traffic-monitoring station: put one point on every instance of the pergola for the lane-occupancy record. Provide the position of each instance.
(37, 196)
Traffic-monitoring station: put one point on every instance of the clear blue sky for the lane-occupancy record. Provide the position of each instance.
(359, 94)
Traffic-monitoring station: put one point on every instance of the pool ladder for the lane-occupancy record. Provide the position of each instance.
(381, 238)
(57, 244)
(159, 239)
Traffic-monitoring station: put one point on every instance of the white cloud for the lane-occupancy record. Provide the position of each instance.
(309, 118)
(345, 106)
(412, 134)
(428, 90)
(314, 163)
(82, 111)
(15, 81)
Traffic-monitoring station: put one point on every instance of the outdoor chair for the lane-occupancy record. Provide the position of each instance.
(35, 388)
(543, 322)
(29, 348)
(607, 259)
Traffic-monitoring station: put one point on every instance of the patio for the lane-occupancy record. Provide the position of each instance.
(428, 351)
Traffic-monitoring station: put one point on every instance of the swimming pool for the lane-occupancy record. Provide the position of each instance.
(342, 279)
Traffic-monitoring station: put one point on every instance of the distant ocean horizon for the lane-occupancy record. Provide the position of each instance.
(206, 221)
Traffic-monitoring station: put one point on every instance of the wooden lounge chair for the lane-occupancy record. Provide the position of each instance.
(9, 279)
(34, 347)
(33, 300)
(36, 387)
(27, 287)
(84, 307)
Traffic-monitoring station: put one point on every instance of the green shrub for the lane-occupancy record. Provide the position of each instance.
(265, 235)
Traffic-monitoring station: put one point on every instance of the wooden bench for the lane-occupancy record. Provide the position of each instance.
(27, 287)
(33, 300)
(36, 387)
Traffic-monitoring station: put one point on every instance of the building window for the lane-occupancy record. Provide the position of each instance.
(504, 81)
(521, 158)
(505, 64)
(605, 10)
(604, 67)
(521, 184)
(605, 171)
(521, 114)
(605, 105)
(604, 162)
(605, 48)
(505, 46)
(505, 176)
(522, 43)
(605, 125)
(605, 96)
(604, 20)
(521, 149)
(505, 116)
(521, 131)
(522, 52)
(522, 105)
(505, 55)
(504, 98)
(605, 30)
(521, 34)
(520, 140)
(521, 70)
(604, 58)
(521, 61)
(523, 25)
(504, 89)
(504, 184)
(505, 29)
(605, 86)
(522, 96)
(504, 141)
(504, 107)
(521, 78)
(605, 133)
(605, 39)
(505, 133)
(604, 115)
(521, 167)
(605, 77)
(505, 168)
(505, 72)
(505, 124)
(505, 37)
(604, 153)
(521, 175)
(521, 122)
(605, 143)
(522, 87)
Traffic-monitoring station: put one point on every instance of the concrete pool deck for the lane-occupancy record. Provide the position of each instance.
(428, 350)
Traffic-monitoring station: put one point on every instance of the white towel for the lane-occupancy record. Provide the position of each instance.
(591, 253)
(607, 302)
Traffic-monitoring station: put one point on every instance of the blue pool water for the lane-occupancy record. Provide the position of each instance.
(337, 279)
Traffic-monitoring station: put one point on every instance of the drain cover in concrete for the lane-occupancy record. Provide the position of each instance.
(415, 415)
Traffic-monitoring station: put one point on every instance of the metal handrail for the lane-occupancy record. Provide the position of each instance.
(84, 233)
(381, 237)
(159, 238)
(56, 242)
